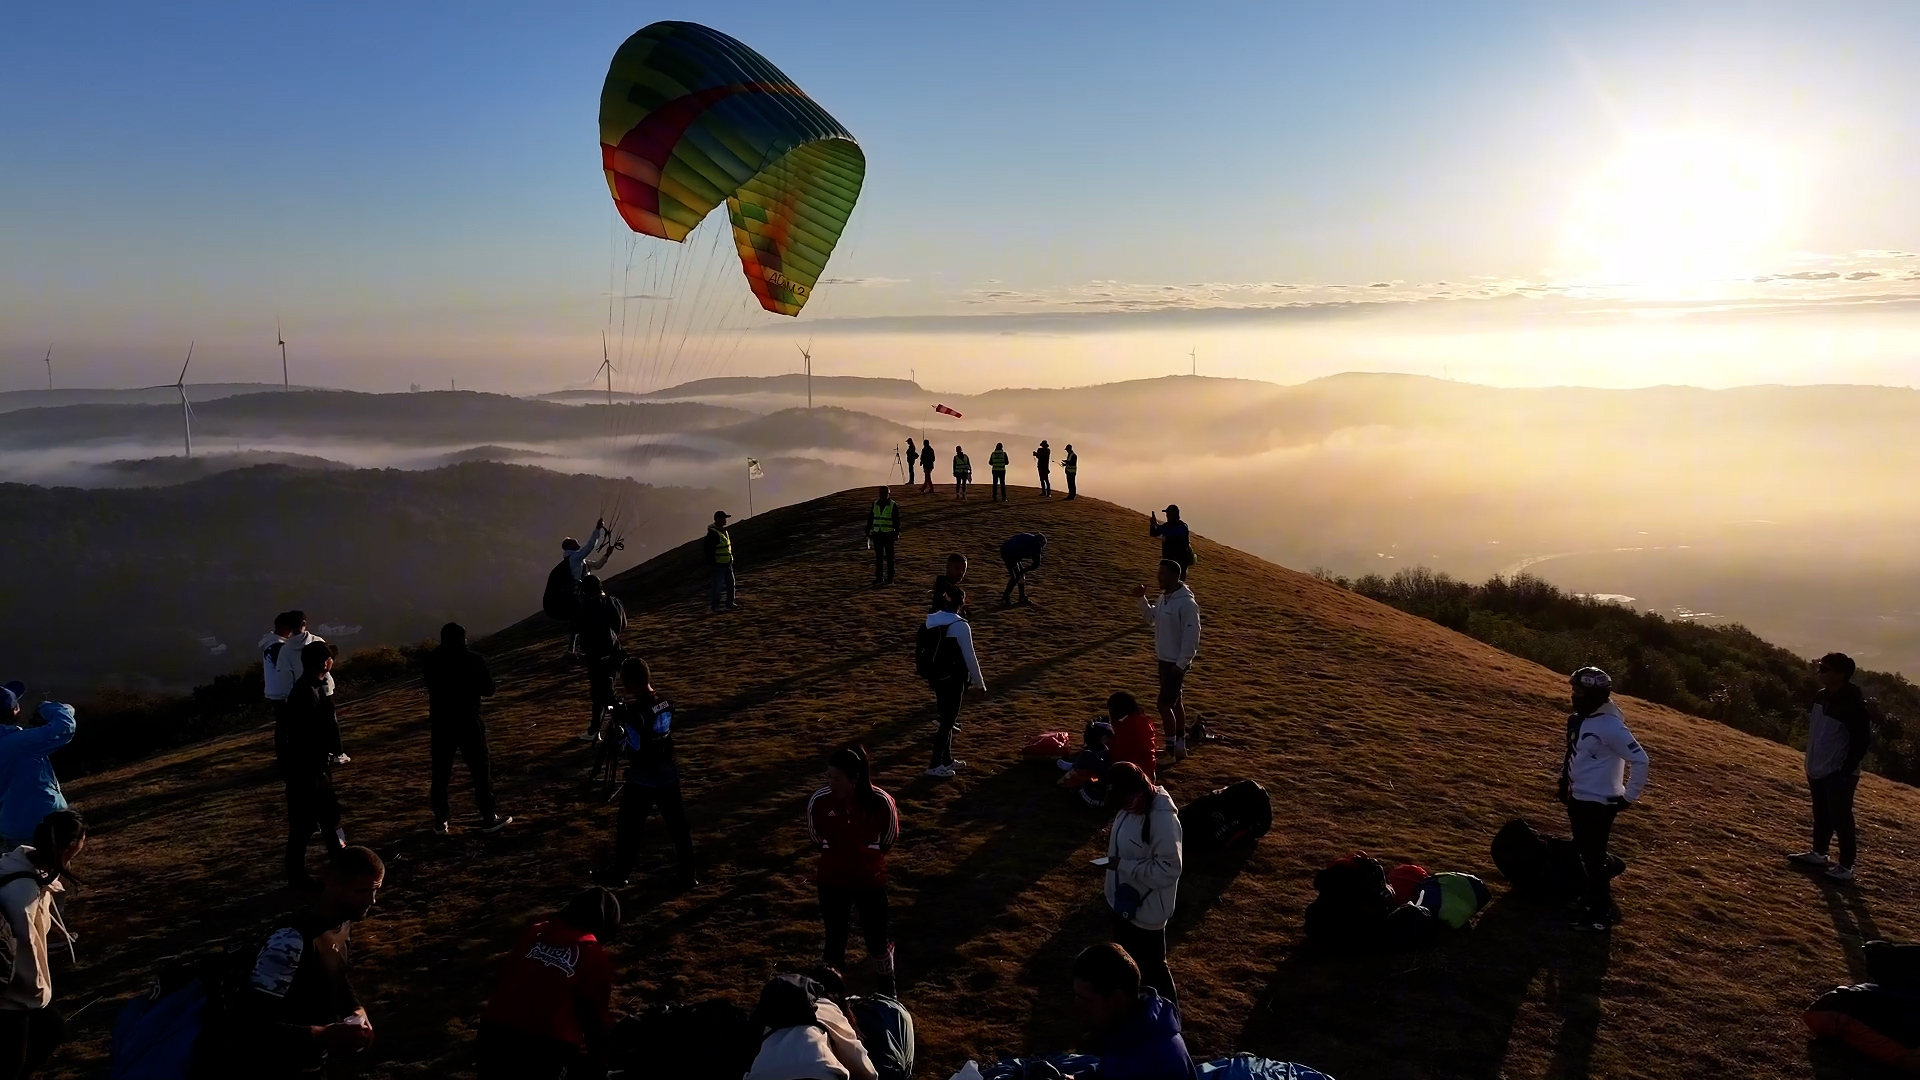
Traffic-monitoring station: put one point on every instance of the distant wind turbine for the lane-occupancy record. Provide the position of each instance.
(286, 382)
(186, 410)
(1194, 355)
(49, 367)
(606, 365)
(806, 355)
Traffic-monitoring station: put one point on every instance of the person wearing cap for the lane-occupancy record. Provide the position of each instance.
(718, 549)
(1838, 734)
(1070, 465)
(962, 472)
(1176, 541)
(1604, 772)
(1043, 459)
(29, 790)
(1175, 618)
(998, 461)
(883, 530)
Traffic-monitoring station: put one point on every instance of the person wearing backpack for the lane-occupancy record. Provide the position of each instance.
(288, 666)
(883, 531)
(551, 1011)
(944, 655)
(948, 585)
(853, 825)
(295, 1007)
(998, 462)
(1144, 860)
(1021, 556)
(273, 681)
(717, 548)
(1839, 732)
(805, 1035)
(599, 625)
(457, 680)
(30, 880)
(562, 595)
(306, 745)
(1604, 772)
(29, 789)
(1175, 618)
(1135, 1031)
(962, 472)
(653, 776)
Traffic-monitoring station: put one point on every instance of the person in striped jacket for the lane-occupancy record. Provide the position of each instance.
(854, 824)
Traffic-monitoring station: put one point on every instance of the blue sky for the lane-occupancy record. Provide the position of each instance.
(415, 188)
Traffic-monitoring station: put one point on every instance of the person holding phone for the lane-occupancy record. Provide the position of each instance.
(1144, 860)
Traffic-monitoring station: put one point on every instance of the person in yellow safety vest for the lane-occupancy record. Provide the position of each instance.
(718, 546)
(1070, 464)
(883, 528)
(962, 473)
(998, 463)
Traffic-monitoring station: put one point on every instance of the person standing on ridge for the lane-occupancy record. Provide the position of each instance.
(718, 547)
(1175, 618)
(1144, 861)
(913, 459)
(29, 790)
(1021, 556)
(1176, 540)
(287, 666)
(926, 464)
(598, 624)
(1604, 772)
(962, 472)
(1839, 732)
(580, 562)
(306, 744)
(653, 775)
(997, 461)
(883, 529)
(275, 682)
(947, 586)
(1043, 459)
(457, 679)
(956, 670)
(853, 825)
(1070, 465)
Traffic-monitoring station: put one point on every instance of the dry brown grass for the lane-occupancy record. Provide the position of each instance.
(1371, 728)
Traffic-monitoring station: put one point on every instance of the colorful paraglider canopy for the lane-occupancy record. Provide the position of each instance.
(690, 117)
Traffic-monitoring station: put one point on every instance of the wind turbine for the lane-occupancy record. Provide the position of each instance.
(286, 383)
(1194, 355)
(606, 365)
(806, 355)
(49, 367)
(186, 410)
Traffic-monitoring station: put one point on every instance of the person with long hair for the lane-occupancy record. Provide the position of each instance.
(1144, 860)
(30, 877)
(552, 1009)
(653, 775)
(853, 824)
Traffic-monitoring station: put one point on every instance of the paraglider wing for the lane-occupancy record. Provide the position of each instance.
(690, 118)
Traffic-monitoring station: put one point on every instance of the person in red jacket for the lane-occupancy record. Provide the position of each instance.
(550, 1014)
(1134, 736)
(854, 824)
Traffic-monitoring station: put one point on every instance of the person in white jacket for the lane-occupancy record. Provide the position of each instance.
(1143, 871)
(277, 683)
(829, 1050)
(1175, 618)
(956, 671)
(30, 1030)
(288, 667)
(1604, 772)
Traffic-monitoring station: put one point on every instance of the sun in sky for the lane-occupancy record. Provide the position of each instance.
(1681, 207)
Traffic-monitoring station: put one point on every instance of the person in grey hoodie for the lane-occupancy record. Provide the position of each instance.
(1175, 618)
(1603, 773)
(1839, 732)
(1144, 859)
(29, 790)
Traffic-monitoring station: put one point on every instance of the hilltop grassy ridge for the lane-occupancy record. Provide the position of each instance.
(1371, 727)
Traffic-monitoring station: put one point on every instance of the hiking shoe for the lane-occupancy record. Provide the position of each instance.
(944, 772)
(589, 735)
(733, 605)
(1840, 873)
(339, 759)
(440, 828)
(496, 824)
(1811, 858)
(1177, 748)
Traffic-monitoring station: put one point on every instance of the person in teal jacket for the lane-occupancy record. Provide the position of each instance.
(29, 790)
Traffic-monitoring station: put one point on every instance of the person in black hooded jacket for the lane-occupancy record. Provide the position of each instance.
(1839, 733)
(457, 679)
(306, 745)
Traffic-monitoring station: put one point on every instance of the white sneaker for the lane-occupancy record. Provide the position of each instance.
(1840, 873)
(944, 772)
(496, 824)
(1810, 858)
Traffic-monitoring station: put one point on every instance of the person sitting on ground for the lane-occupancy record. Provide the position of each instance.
(806, 1035)
(1086, 771)
(552, 1008)
(947, 585)
(1176, 540)
(598, 626)
(1134, 738)
(1021, 556)
(306, 746)
(853, 825)
(29, 789)
(653, 776)
(296, 1006)
(1135, 1031)
(1839, 733)
(457, 680)
(30, 1028)
(1604, 772)
(1175, 618)
(1144, 860)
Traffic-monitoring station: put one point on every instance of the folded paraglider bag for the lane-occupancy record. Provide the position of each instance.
(1239, 813)
(1883, 1024)
(1405, 881)
(1069, 1066)
(886, 1028)
(1894, 967)
(1351, 910)
(1454, 899)
(1048, 744)
(1248, 1067)
(704, 1038)
(1411, 926)
(1540, 866)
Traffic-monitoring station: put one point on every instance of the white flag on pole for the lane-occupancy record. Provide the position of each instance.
(754, 471)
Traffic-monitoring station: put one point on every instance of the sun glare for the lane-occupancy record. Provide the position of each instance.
(1681, 208)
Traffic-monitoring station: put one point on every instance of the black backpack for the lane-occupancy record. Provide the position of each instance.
(933, 658)
(562, 596)
(1354, 902)
(788, 1000)
(599, 628)
(1237, 814)
(1541, 866)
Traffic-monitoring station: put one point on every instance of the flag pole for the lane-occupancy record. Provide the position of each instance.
(749, 489)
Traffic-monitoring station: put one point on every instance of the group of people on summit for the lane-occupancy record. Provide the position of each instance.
(997, 462)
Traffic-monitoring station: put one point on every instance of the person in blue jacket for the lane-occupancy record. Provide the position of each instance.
(1136, 1032)
(29, 790)
(1021, 556)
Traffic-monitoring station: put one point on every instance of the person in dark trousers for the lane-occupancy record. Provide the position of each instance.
(457, 679)
(1144, 861)
(998, 461)
(1070, 466)
(947, 586)
(296, 1007)
(717, 546)
(306, 744)
(653, 775)
(1603, 773)
(962, 472)
(551, 1011)
(1839, 732)
(1021, 556)
(1135, 1031)
(913, 458)
(31, 1029)
(883, 530)
(1043, 459)
(926, 465)
(853, 825)
(598, 626)
(1175, 618)
(1176, 541)
(956, 672)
